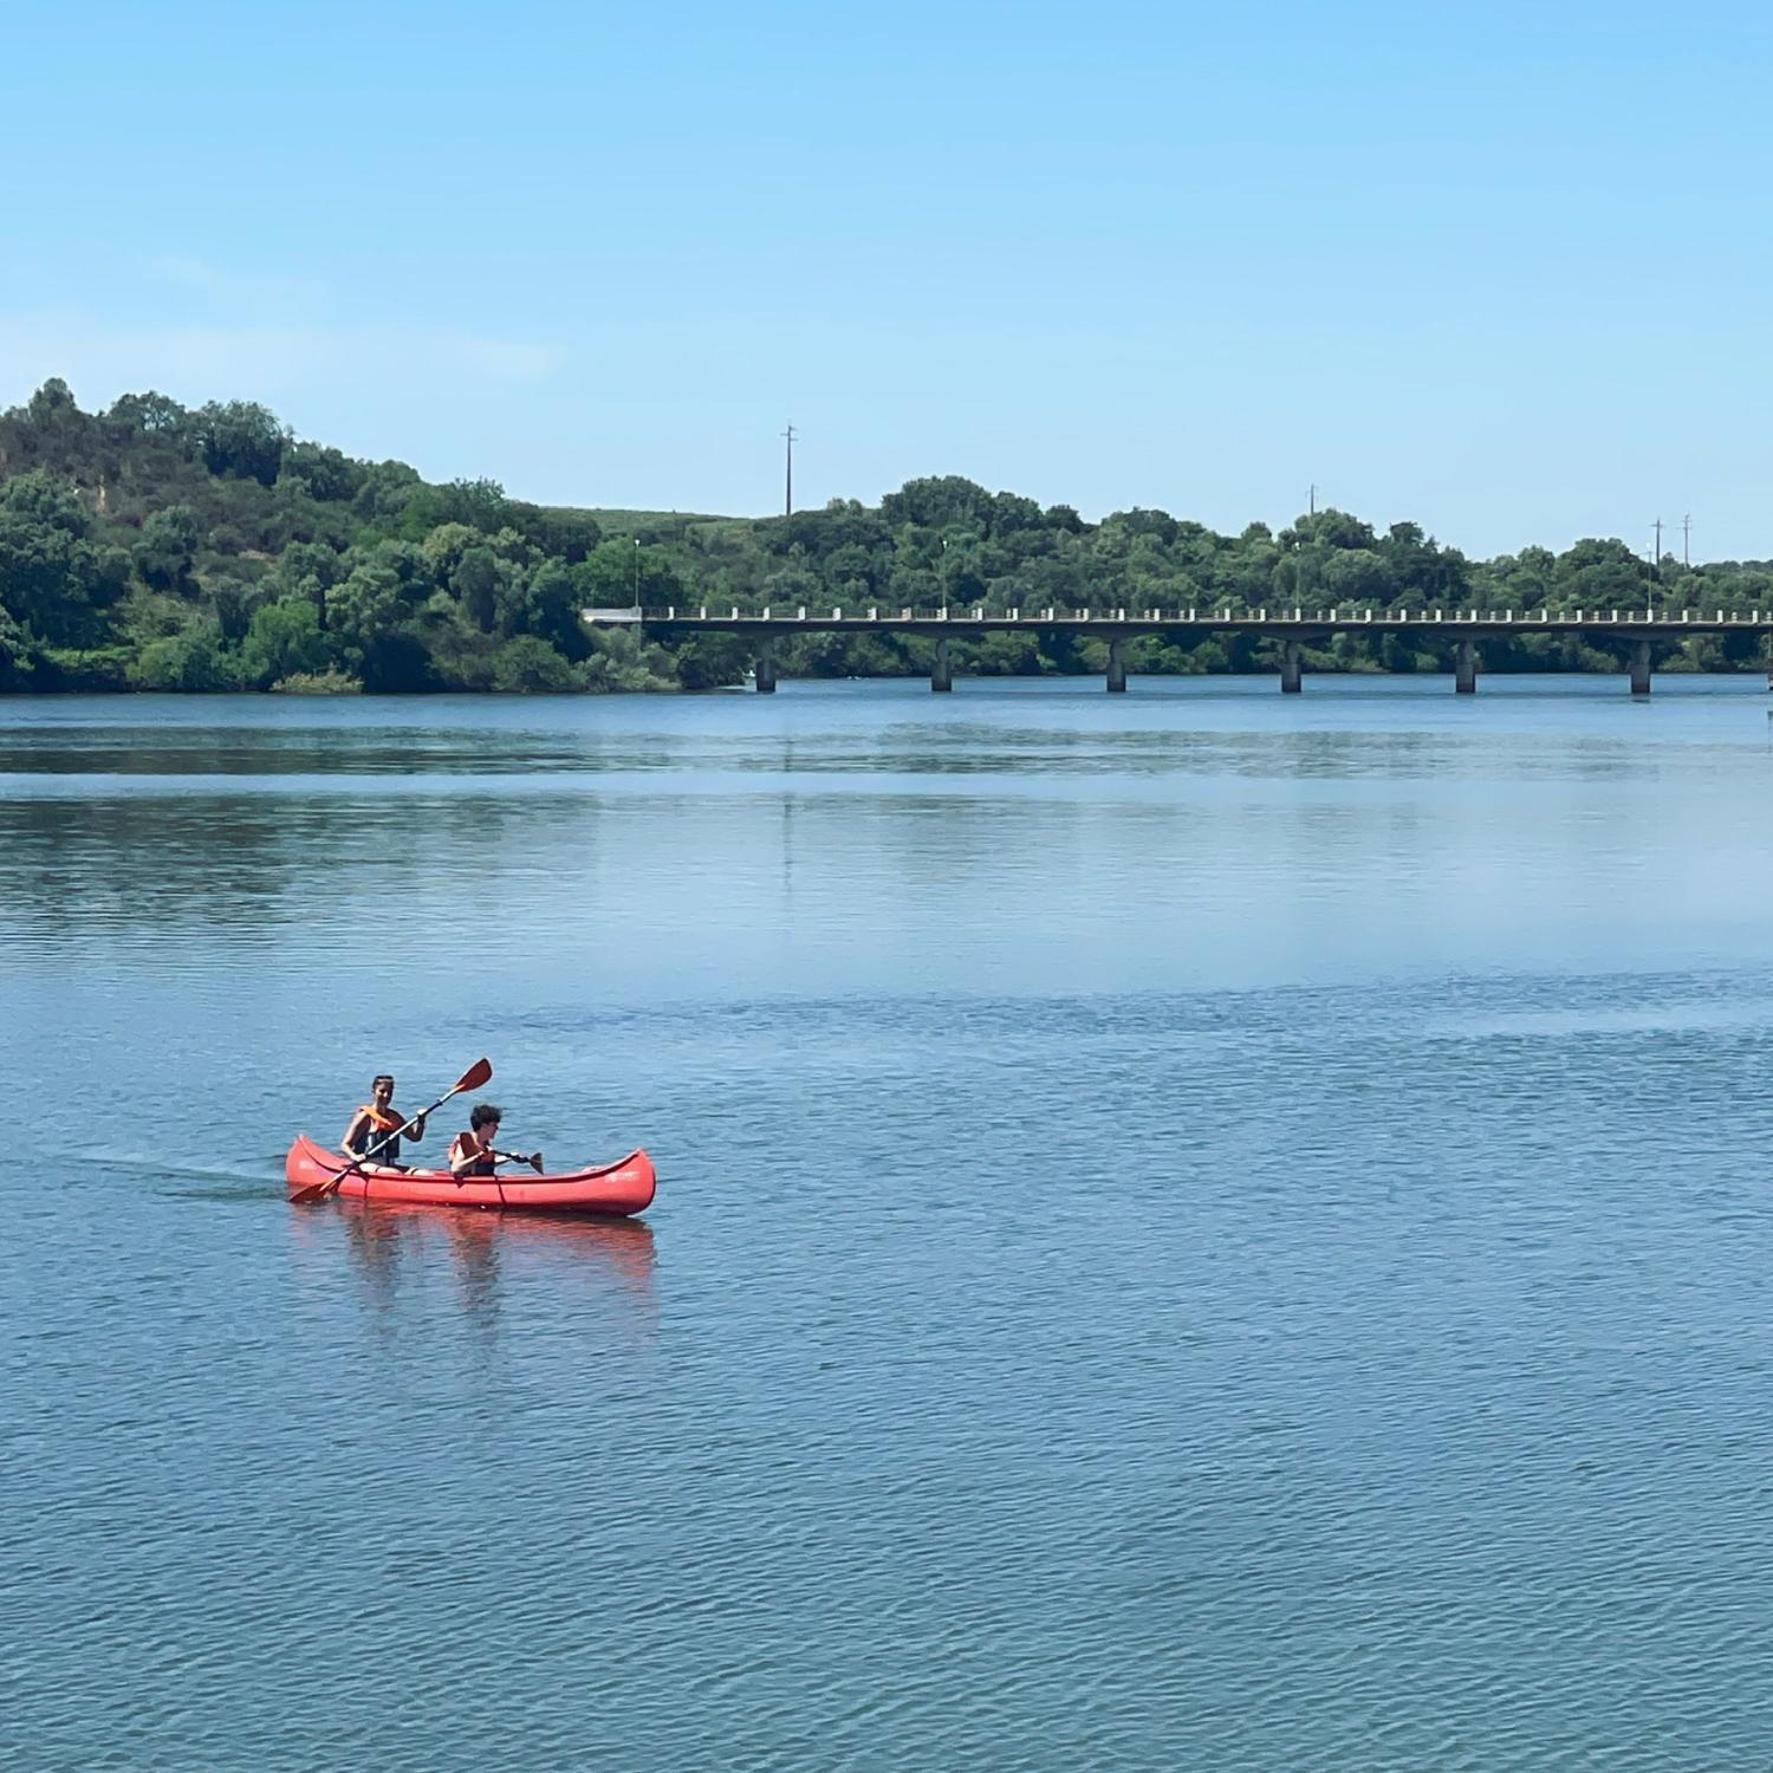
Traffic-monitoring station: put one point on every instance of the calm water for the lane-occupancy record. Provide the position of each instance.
(1196, 1230)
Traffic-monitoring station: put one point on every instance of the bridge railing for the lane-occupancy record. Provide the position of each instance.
(1050, 616)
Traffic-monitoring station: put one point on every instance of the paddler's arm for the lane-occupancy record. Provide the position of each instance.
(414, 1128)
(349, 1142)
(461, 1161)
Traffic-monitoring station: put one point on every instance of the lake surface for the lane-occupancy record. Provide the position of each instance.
(1196, 1230)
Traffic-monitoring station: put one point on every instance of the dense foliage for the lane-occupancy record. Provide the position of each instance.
(157, 547)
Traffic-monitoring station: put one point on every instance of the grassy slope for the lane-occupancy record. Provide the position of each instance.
(657, 523)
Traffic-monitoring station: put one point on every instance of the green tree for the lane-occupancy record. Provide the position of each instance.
(551, 609)
(560, 534)
(476, 581)
(17, 654)
(1594, 574)
(328, 475)
(241, 438)
(52, 402)
(710, 661)
(47, 500)
(1356, 575)
(192, 660)
(618, 574)
(167, 551)
(52, 580)
(388, 489)
(480, 504)
(151, 414)
(284, 640)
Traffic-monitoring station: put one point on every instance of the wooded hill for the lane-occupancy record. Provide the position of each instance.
(155, 546)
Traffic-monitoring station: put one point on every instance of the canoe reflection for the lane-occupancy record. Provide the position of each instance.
(386, 1239)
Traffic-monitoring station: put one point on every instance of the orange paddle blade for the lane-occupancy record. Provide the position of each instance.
(478, 1073)
(321, 1189)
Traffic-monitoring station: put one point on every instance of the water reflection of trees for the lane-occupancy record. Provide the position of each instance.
(321, 753)
(147, 865)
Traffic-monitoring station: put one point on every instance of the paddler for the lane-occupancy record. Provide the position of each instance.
(471, 1153)
(377, 1120)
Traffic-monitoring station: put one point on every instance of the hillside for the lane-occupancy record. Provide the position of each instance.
(154, 546)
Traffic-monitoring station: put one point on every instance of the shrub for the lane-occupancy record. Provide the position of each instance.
(283, 641)
(194, 660)
(71, 668)
(529, 663)
(318, 683)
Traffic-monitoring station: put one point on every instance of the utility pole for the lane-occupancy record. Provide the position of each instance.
(1658, 556)
(1313, 498)
(1687, 541)
(788, 501)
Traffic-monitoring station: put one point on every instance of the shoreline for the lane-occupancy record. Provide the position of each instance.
(125, 693)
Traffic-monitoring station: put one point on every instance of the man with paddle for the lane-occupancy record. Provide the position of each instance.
(471, 1152)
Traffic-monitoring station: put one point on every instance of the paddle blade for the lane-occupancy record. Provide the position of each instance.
(477, 1074)
(300, 1197)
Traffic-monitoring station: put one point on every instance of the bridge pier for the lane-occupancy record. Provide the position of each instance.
(942, 673)
(766, 669)
(1640, 668)
(1465, 668)
(1292, 673)
(1117, 667)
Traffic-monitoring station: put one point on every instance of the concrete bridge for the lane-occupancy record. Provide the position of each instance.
(1293, 628)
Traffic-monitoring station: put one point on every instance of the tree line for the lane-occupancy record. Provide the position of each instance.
(160, 547)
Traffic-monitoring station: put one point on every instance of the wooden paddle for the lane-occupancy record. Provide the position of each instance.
(471, 1079)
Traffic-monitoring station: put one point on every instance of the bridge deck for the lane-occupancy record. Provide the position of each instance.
(1641, 624)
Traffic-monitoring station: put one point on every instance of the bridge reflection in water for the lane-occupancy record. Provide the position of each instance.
(1638, 631)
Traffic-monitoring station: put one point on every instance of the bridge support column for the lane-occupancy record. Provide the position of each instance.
(942, 673)
(1465, 668)
(1640, 668)
(1117, 667)
(766, 670)
(1292, 676)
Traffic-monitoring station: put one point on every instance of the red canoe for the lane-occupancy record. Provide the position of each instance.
(625, 1187)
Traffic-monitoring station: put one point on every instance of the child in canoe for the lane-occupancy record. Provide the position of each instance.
(471, 1153)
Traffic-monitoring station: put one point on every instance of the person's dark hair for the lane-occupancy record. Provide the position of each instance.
(485, 1115)
(381, 1077)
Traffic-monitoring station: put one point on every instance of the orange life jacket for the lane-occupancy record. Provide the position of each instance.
(468, 1145)
(382, 1125)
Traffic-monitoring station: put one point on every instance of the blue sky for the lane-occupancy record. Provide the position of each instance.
(1505, 270)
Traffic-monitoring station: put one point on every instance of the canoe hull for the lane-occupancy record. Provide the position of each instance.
(622, 1188)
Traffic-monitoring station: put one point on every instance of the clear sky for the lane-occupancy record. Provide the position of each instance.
(1504, 269)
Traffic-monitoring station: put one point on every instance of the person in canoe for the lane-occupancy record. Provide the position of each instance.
(377, 1120)
(471, 1153)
